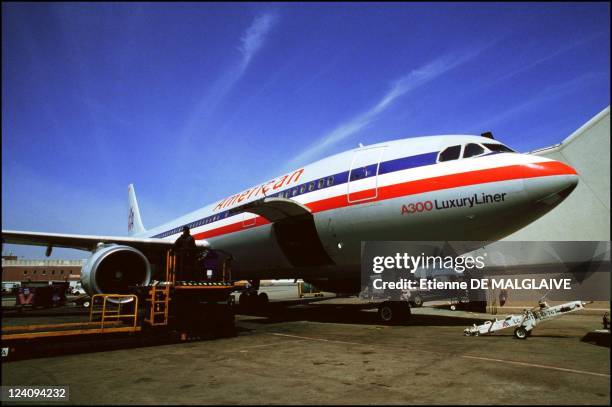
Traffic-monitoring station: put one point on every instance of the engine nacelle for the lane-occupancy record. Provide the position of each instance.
(112, 269)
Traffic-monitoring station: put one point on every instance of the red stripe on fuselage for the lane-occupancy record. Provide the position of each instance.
(511, 172)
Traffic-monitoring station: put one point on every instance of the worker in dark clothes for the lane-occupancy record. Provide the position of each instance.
(185, 252)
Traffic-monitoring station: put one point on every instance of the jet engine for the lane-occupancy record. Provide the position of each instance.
(112, 269)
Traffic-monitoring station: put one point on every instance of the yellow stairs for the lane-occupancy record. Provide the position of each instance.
(159, 303)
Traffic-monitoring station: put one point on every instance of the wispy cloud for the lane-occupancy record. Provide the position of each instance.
(254, 38)
(251, 42)
(401, 87)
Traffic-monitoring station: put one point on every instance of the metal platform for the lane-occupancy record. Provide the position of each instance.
(107, 315)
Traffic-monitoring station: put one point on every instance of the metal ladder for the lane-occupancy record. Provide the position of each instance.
(159, 301)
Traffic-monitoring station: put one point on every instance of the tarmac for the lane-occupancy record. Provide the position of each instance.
(334, 351)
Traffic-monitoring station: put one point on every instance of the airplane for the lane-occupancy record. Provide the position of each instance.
(309, 223)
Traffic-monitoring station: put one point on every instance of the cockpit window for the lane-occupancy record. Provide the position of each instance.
(450, 153)
(499, 148)
(472, 150)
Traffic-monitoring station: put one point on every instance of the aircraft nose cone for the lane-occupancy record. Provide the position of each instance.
(549, 182)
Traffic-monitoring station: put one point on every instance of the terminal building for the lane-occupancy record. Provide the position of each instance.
(16, 270)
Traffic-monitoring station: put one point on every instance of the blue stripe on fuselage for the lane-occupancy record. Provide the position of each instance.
(407, 163)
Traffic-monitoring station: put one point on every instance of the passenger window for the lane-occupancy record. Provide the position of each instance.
(450, 153)
(472, 150)
(311, 186)
(330, 181)
(321, 183)
(302, 189)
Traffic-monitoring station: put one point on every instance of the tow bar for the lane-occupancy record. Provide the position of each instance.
(525, 322)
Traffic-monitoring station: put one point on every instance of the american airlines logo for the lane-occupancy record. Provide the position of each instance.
(261, 190)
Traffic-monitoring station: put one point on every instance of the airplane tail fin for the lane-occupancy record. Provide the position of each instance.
(135, 225)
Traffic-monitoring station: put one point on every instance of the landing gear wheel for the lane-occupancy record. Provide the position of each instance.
(385, 312)
(390, 312)
(521, 333)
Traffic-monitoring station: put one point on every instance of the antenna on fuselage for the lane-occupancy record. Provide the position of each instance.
(487, 134)
(360, 145)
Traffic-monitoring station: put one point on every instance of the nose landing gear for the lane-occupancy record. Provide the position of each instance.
(393, 312)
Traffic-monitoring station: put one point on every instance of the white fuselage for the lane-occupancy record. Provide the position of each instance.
(399, 190)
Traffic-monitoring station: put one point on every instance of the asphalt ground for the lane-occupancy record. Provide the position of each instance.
(332, 352)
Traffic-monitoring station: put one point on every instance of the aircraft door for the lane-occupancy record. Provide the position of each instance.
(363, 175)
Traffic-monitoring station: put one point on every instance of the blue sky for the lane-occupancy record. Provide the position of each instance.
(194, 102)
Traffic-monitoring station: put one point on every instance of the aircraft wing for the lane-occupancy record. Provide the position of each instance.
(86, 242)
